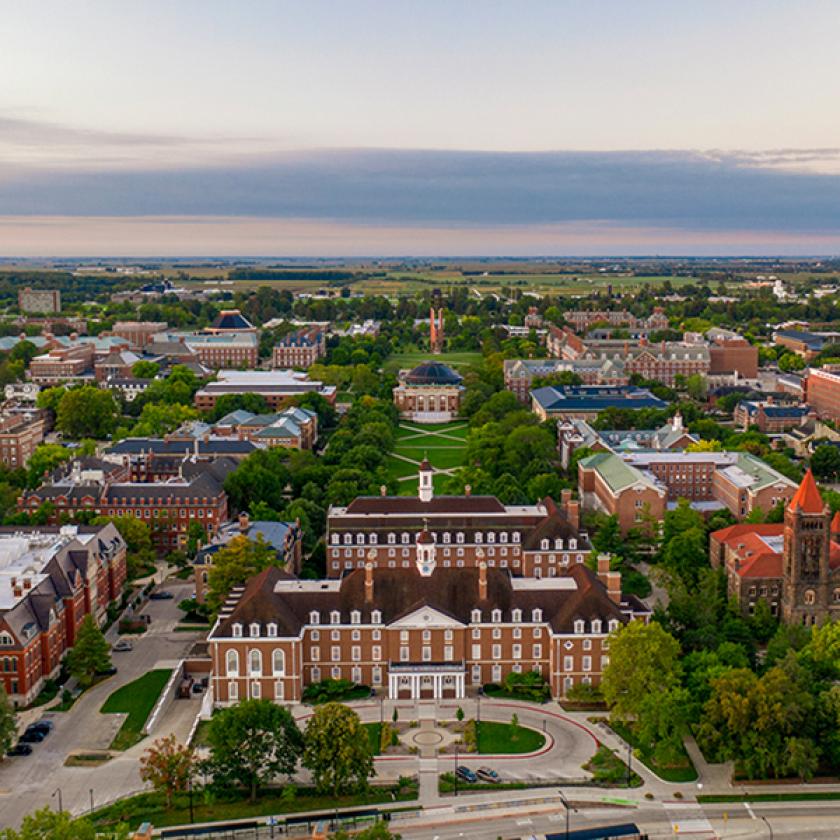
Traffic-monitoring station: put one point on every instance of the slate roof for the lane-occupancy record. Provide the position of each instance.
(432, 373)
(593, 398)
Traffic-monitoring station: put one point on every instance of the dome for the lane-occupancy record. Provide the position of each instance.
(433, 373)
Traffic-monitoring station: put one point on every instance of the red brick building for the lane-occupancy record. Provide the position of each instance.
(422, 632)
(822, 392)
(20, 433)
(138, 333)
(430, 393)
(733, 354)
(50, 579)
(61, 364)
(300, 348)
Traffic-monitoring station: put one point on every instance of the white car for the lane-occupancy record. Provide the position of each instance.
(122, 645)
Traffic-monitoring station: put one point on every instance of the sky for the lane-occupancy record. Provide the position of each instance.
(435, 128)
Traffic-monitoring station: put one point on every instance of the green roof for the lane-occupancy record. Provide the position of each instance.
(615, 471)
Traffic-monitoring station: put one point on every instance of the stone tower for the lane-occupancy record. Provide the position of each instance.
(807, 546)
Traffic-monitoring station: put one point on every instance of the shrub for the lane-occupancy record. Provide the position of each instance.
(470, 737)
(329, 690)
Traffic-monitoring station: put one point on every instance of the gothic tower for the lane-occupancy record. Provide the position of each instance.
(807, 545)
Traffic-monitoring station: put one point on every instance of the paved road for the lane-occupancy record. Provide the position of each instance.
(30, 782)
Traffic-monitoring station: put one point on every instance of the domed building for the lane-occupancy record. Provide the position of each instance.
(429, 393)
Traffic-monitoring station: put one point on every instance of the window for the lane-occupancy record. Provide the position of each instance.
(335, 617)
(476, 651)
(232, 663)
(314, 618)
(613, 625)
(335, 672)
(376, 617)
(427, 635)
(255, 663)
(278, 691)
(810, 597)
(316, 674)
(517, 615)
(336, 635)
(497, 673)
(580, 625)
(427, 653)
(403, 654)
(448, 653)
(596, 625)
(497, 652)
(356, 635)
(278, 662)
(536, 615)
(233, 691)
(254, 630)
(497, 632)
(496, 616)
(376, 653)
(568, 663)
(272, 629)
(315, 653)
(403, 635)
(6, 639)
(537, 651)
(355, 617)
(376, 635)
(475, 617)
(478, 536)
(587, 663)
(237, 631)
(447, 635)
(517, 652)
(377, 676)
(335, 653)
(356, 653)
(587, 644)
(476, 632)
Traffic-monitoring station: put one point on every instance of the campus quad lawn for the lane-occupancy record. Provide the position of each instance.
(499, 738)
(374, 731)
(407, 429)
(136, 698)
(456, 359)
(398, 468)
(442, 458)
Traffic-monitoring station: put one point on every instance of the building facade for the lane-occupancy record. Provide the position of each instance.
(50, 579)
(21, 430)
(138, 334)
(278, 387)
(822, 392)
(300, 348)
(430, 393)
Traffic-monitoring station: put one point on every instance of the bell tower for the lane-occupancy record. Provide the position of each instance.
(805, 565)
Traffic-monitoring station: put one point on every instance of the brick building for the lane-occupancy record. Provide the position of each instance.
(39, 300)
(62, 364)
(731, 353)
(794, 566)
(138, 333)
(216, 350)
(294, 428)
(50, 579)
(167, 507)
(822, 392)
(300, 348)
(806, 344)
(276, 386)
(770, 417)
(520, 374)
(425, 631)
(21, 430)
(638, 485)
(581, 321)
(532, 540)
(585, 402)
(430, 393)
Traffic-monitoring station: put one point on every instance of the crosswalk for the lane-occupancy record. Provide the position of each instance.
(687, 818)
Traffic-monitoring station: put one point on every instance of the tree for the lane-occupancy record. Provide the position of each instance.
(459, 714)
(261, 477)
(255, 403)
(8, 722)
(337, 750)
(696, 386)
(643, 663)
(239, 560)
(686, 554)
(91, 653)
(158, 419)
(168, 766)
(50, 825)
(145, 369)
(87, 411)
(252, 743)
(825, 462)
(138, 541)
(45, 459)
(801, 757)
(377, 831)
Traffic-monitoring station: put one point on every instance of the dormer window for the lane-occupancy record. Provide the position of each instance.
(355, 617)
(536, 615)
(360, 539)
(558, 544)
(376, 617)
(404, 539)
(496, 616)
(479, 536)
(613, 625)
(516, 536)
(335, 617)
(475, 617)
(392, 538)
(572, 543)
(348, 539)
(544, 545)
(314, 617)
(254, 630)
(516, 615)
(459, 537)
(373, 539)
(237, 631)
(447, 537)
(596, 625)
(6, 640)
(503, 536)
(491, 537)
(580, 625)
(271, 629)
(334, 539)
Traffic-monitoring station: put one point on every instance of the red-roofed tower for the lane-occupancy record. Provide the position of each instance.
(806, 555)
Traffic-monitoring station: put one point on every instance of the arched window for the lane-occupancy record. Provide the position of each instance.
(335, 617)
(580, 625)
(476, 616)
(255, 663)
(232, 663)
(536, 615)
(237, 630)
(272, 629)
(496, 616)
(6, 639)
(613, 625)
(810, 597)
(255, 630)
(278, 662)
(376, 617)
(355, 617)
(517, 615)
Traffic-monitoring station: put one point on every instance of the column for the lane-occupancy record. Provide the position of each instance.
(437, 691)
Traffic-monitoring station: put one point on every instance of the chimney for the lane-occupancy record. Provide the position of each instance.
(17, 591)
(467, 489)
(565, 497)
(573, 513)
(614, 586)
(603, 568)
(369, 578)
(27, 583)
(482, 581)
(244, 521)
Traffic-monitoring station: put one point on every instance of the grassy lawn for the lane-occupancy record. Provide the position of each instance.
(152, 806)
(374, 731)
(447, 784)
(456, 359)
(442, 458)
(398, 468)
(609, 770)
(683, 772)
(137, 699)
(815, 796)
(503, 738)
(410, 430)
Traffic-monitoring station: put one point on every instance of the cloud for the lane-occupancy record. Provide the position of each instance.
(659, 189)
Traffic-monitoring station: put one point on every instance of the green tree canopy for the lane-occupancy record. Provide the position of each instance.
(87, 411)
(239, 560)
(91, 653)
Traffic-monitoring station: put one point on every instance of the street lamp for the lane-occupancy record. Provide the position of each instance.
(769, 827)
(91, 801)
(60, 806)
(566, 806)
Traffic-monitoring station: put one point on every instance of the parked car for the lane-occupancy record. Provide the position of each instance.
(45, 726)
(465, 774)
(33, 736)
(486, 774)
(161, 595)
(122, 645)
(20, 749)
(107, 672)
(197, 688)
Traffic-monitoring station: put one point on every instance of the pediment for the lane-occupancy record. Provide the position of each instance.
(425, 617)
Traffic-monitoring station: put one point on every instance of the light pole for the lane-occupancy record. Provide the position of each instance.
(60, 806)
(568, 807)
(91, 801)
(629, 763)
(456, 768)
(381, 711)
(769, 827)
